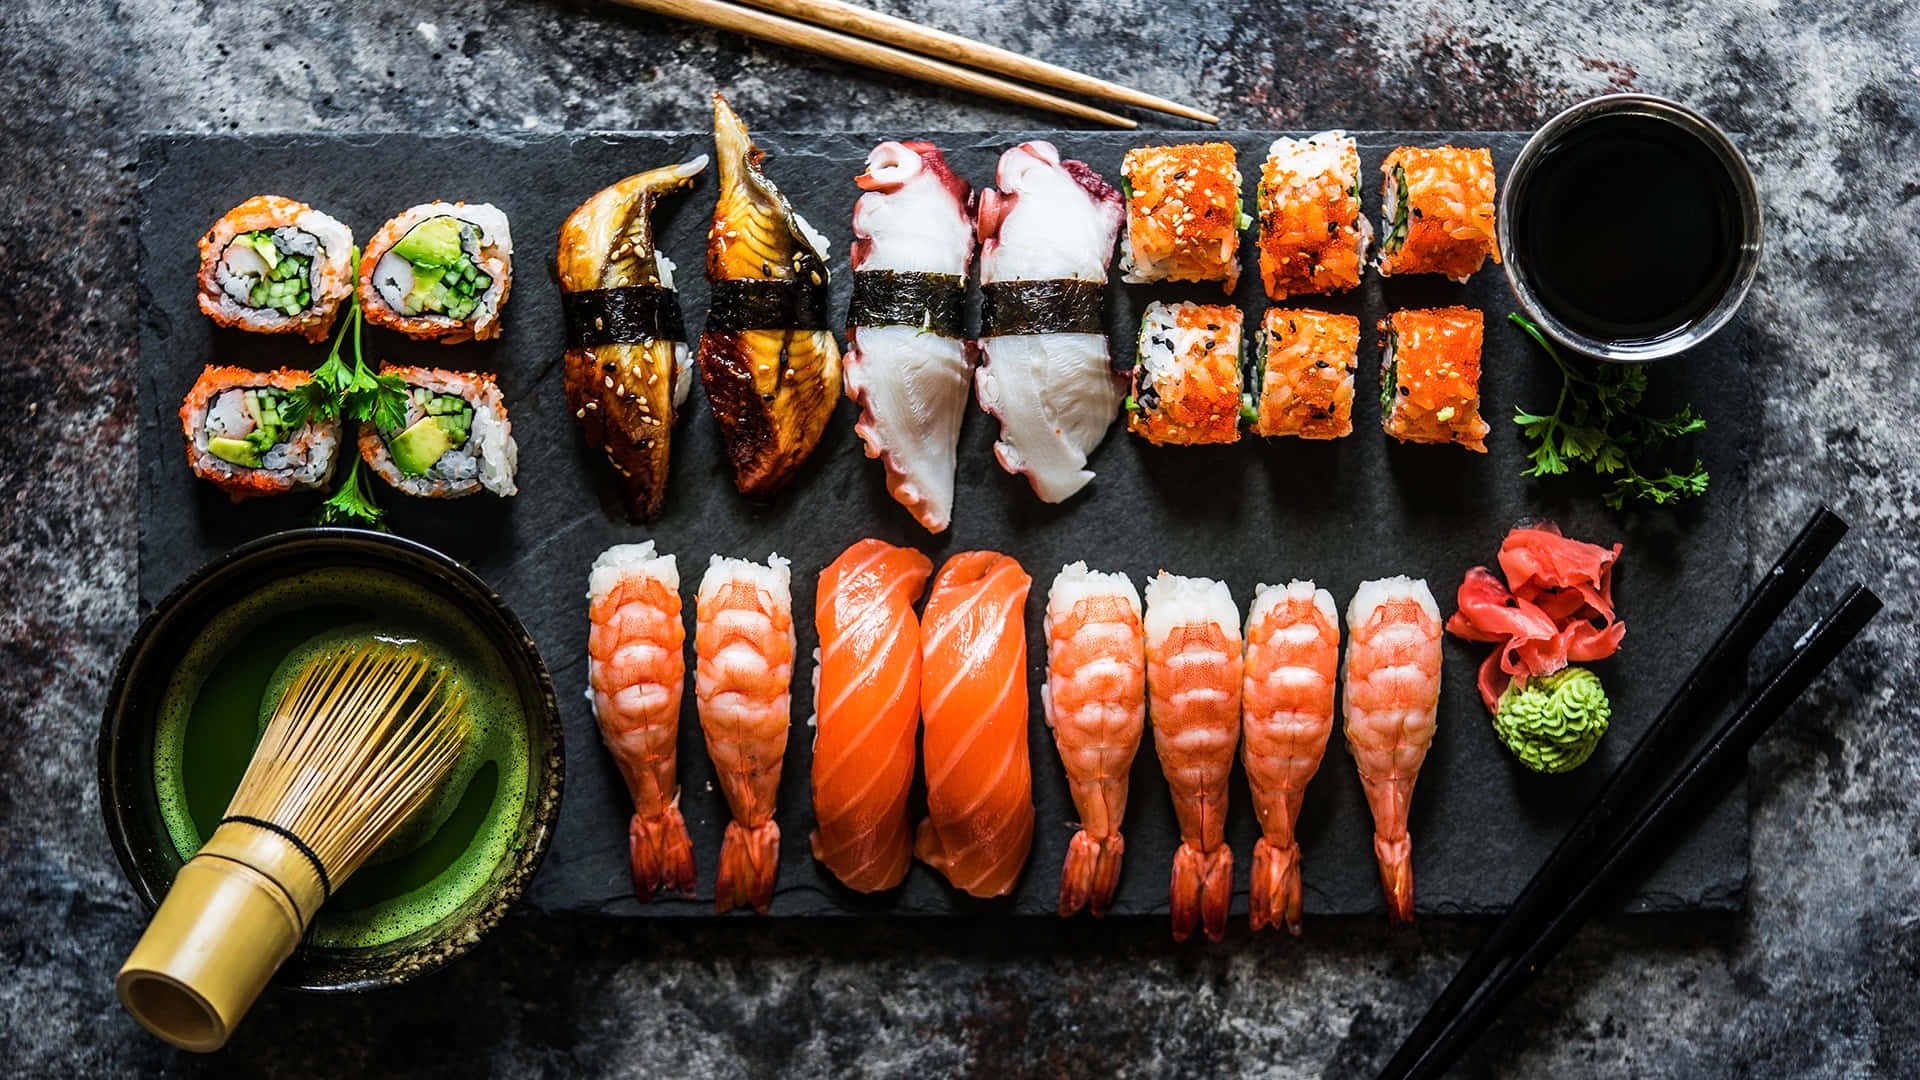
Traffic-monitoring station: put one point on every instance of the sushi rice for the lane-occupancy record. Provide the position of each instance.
(1313, 234)
(1437, 212)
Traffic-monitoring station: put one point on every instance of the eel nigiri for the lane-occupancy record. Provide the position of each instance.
(769, 364)
(867, 711)
(1392, 699)
(973, 700)
(1046, 238)
(1193, 701)
(1095, 700)
(745, 641)
(1293, 659)
(909, 365)
(626, 369)
(638, 671)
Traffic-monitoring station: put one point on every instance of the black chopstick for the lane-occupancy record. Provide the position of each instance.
(1676, 725)
(1655, 828)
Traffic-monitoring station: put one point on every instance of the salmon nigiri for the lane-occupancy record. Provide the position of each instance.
(1193, 701)
(1393, 698)
(1095, 700)
(745, 645)
(1293, 658)
(638, 671)
(973, 698)
(866, 699)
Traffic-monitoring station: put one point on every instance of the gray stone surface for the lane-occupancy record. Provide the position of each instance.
(1818, 977)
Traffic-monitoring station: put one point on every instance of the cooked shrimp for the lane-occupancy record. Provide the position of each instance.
(1193, 695)
(745, 645)
(1095, 701)
(1293, 657)
(638, 670)
(1392, 696)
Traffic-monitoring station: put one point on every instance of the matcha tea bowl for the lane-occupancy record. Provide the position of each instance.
(193, 693)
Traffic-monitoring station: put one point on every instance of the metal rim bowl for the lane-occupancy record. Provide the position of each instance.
(1748, 213)
(125, 754)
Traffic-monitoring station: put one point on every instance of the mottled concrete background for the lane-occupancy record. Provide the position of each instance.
(1819, 977)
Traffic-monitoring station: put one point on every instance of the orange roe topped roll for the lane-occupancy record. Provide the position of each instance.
(247, 436)
(1313, 236)
(1186, 382)
(1184, 214)
(1305, 377)
(1430, 377)
(274, 265)
(1436, 212)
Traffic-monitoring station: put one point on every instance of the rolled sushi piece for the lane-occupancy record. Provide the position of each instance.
(1184, 214)
(274, 265)
(1436, 212)
(455, 440)
(439, 272)
(1186, 384)
(1430, 377)
(1313, 235)
(1303, 382)
(242, 438)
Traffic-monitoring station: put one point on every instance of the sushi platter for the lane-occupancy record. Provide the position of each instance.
(1245, 512)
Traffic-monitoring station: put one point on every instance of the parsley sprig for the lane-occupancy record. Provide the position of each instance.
(1596, 422)
(338, 390)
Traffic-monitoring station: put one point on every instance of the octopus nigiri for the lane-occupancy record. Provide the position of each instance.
(769, 364)
(973, 702)
(1095, 700)
(866, 712)
(625, 371)
(908, 364)
(744, 641)
(1293, 659)
(638, 670)
(1193, 701)
(1046, 237)
(1392, 699)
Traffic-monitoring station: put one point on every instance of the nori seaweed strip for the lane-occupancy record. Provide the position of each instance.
(936, 302)
(628, 315)
(1061, 306)
(767, 304)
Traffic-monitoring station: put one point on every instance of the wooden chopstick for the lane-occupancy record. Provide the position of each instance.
(1606, 822)
(783, 31)
(906, 34)
(1654, 829)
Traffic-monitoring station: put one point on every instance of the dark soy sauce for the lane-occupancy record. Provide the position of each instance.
(1629, 228)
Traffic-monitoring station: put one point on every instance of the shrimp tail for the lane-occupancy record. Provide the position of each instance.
(661, 853)
(1275, 898)
(749, 860)
(1202, 890)
(1091, 874)
(1395, 854)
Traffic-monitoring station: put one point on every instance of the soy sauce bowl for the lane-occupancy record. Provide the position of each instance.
(1696, 318)
(129, 795)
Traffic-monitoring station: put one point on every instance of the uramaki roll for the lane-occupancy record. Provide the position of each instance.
(1430, 377)
(439, 272)
(273, 265)
(240, 438)
(1436, 212)
(1304, 379)
(455, 440)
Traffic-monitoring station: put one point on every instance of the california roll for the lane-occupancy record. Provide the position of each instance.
(273, 265)
(1313, 236)
(1302, 381)
(1430, 377)
(247, 436)
(439, 271)
(453, 440)
(1436, 212)
(1184, 214)
(1186, 383)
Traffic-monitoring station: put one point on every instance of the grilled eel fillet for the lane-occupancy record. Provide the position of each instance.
(772, 390)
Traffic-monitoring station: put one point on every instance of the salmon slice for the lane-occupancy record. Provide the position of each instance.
(867, 709)
(973, 697)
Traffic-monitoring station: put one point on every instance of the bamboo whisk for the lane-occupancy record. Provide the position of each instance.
(361, 738)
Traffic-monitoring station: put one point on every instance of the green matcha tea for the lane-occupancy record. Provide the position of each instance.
(218, 703)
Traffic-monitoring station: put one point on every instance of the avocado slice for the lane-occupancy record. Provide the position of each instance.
(423, 296)
(235, 451)
(433, 242)
(415, 450)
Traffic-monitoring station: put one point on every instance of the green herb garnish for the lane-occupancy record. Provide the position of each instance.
(352, 502)
(1595, 422)
(1398, 234)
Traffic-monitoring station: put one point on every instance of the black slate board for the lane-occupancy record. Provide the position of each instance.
(1340, 512)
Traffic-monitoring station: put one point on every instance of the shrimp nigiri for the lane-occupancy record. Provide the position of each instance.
(1392, 696)
(867, 709)
(1193, 697)
(973, 700)
(1095, 700)
(745, 643)
(638, 671)
(1293, 657)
